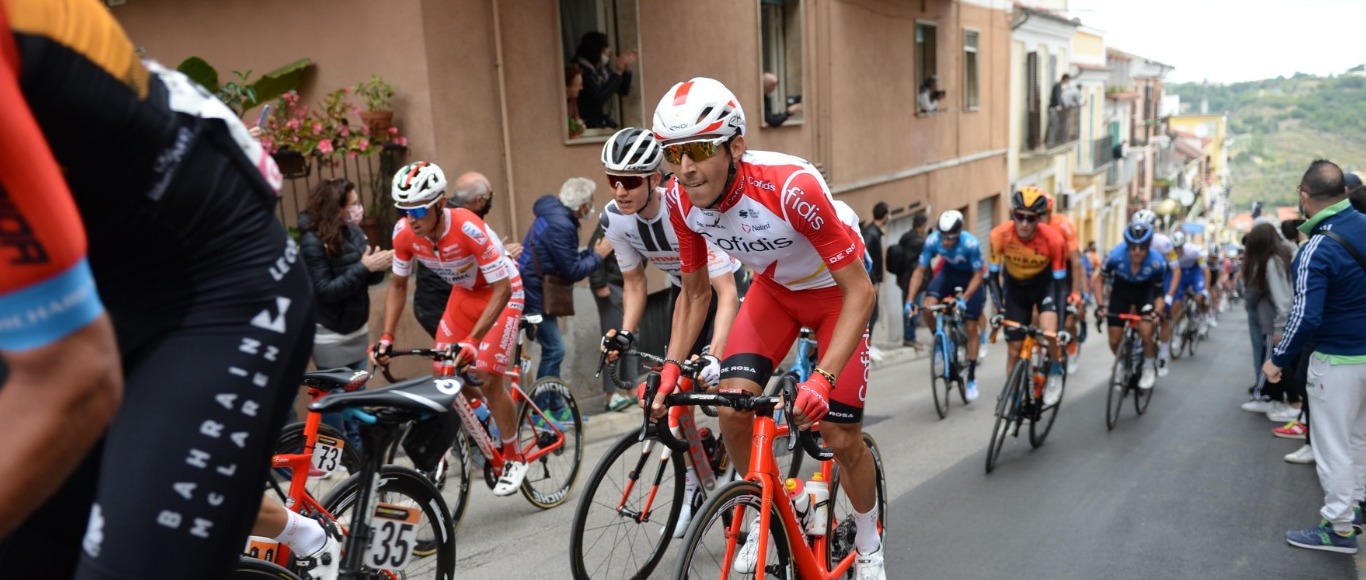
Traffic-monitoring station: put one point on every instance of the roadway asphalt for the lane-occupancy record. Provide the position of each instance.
(1196, 488)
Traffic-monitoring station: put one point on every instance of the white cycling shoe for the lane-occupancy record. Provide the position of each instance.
(747, 557)
(514, 473)
(869, 566)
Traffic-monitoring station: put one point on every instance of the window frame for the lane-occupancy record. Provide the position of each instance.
(976, 77)
(784, 77)
(599, 136)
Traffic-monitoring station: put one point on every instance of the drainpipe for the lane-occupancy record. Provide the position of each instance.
(503, 110)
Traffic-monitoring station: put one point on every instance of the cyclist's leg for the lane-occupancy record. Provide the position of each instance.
(462, 311)
(1019, 302)
(760, 338)
(939, 287)
(972, 313)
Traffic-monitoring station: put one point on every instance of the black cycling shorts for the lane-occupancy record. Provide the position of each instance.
(213, 309)
(1022, 298)
(1128, 298)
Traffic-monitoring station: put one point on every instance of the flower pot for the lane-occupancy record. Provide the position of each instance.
(378, 121)
(292, 164)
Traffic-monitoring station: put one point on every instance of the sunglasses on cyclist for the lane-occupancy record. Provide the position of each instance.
(949, 237)
(627, 182)
(698, 151)
(416, 213)
(1026, 217)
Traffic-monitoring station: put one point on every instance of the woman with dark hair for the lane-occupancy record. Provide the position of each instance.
(343, 265)
(1266, 275)
(601, 78)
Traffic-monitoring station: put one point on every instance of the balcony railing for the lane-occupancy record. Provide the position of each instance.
(1102, 154)
(370, 174)
(1121, 173)
(1064, 126)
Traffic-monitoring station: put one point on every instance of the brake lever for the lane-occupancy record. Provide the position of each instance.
(788, 387)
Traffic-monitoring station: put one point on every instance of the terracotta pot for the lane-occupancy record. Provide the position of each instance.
(292, 163)
(378, 121)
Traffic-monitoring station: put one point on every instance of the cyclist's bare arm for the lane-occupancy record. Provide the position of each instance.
(727, 305)
(634, 294)
(857, 291)
(394, 301)
(53, 413)
(1074, 258)
(690, 313)
(973, 285)
(917, 278)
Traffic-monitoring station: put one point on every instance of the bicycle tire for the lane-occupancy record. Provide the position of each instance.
(704, 545)
(1142, 397)
(1118, 385)
(1180, 337)
(410, 488)
(960, 362)
(1047, 415)
(839, 526)
(1007, 412)
(628, 463)
(1194, 340)
(454, 480)
(291, 441)
(550, 478)
(939, 376)
(249, 568)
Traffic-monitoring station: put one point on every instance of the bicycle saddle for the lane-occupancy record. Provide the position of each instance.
(421, 395)
(342, 378)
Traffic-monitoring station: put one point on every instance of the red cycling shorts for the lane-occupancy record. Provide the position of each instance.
(463, 310)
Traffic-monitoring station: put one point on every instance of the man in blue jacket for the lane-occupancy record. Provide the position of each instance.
(552, 247)
(1330, 311)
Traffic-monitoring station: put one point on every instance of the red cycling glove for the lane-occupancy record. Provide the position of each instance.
(813, 397)
(668, 382)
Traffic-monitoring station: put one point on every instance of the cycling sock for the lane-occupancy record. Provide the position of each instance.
(1164, 350)
(1150, 361)
(867, 539)
(510, 451)
(689, 489)
(304, 536)
(972, 370)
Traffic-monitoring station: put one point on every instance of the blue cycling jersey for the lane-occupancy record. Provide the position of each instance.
(1154, 267)
(965, 255)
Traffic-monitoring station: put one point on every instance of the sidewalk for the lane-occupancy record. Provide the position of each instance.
(600, 425)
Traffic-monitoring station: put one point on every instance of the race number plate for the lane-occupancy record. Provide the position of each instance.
(395, 535)
(327, 453)
(262, 548)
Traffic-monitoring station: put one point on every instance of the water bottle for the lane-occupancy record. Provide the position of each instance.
(709, 445)
(801, 502)
(482, 412)
(820, 499)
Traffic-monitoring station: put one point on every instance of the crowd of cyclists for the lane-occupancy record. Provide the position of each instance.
(153, 268)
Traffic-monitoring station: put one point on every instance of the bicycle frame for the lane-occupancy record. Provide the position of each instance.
(805, 363)
(298, 499)
(943, 329)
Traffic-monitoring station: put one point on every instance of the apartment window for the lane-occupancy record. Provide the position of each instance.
(986, 218)
(780, 23)
(597, 100)
(971, 79)
(926, 54)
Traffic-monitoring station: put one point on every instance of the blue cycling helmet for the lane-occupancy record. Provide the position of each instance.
(1138, 233)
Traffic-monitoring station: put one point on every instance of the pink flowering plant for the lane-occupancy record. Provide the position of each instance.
(329, 131)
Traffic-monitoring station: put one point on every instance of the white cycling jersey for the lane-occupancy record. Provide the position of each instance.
(636, 239)
(1166, 249)
(1191, 256)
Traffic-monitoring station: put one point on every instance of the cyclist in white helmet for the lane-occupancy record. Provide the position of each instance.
(1164, 247)
(637, 223)
(962, 268)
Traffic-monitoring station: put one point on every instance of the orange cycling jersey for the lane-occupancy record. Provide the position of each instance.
(1065, 227)
(1027, 260)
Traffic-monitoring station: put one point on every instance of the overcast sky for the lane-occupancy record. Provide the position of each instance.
(1229, 41)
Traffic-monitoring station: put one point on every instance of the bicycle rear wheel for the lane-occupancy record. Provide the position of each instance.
(408, 488)
(939, 376)
(1142, 397)
(550, 477)
(1193, 329)
(1119, 385)
(1041, 425)
(1180, 336)
(249, 568)
(840, 527)
(717, 534)
(612, 535)
(1007, 412)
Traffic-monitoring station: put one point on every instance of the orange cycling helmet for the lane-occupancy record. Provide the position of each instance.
(1030, 198)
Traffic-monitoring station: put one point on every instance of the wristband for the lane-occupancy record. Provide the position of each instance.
(1167, 299)
(387, 338)
(829, 378)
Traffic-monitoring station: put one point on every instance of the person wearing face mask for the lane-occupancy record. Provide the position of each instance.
(552, 245)
(602, 78)
(342, 265)
(473, 192)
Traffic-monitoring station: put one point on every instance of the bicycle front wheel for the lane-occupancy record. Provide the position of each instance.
(716, 539)
(1180, 336)
(1007, 411)
(939, 375)
(407, 488)
(1042, 423)
(1119, 386)
(628, 511)
(840, 528)
(550, 477)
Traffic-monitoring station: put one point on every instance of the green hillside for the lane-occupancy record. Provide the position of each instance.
(1277, 126)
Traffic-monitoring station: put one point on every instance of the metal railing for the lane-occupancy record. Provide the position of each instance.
(371, 175)
(1064, 126)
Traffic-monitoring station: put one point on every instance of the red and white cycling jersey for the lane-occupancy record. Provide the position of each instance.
(465, 243)
(779, 219)
(635, 238)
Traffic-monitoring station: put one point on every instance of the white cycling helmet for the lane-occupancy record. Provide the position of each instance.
(1178, 238)
(418, 184)
(696, 109)
(1146, 216)
(632, 150)
(950, 222)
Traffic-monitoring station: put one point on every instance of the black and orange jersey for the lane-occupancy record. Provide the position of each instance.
(90, 136)
(1028, 260)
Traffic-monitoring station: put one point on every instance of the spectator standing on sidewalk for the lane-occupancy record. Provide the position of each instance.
(912, 244)
(1330, 310)
(606, 282)
(872, 239)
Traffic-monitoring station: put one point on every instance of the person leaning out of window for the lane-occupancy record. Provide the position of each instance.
(601, 78)
(343, 266)
(930, 95)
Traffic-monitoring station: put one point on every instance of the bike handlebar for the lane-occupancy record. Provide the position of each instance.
(435, 355)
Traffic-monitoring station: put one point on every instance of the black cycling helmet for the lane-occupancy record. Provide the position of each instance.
(1138, 233)
(1029, 198)
(632, 150)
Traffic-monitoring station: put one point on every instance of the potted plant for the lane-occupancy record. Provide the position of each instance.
(244, 94)
(294, 133)
(378, 114)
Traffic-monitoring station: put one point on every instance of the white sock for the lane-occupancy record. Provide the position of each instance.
(1164, 350)
(1149, 361)
(689, 490)
(304, 536)
(867, 540)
